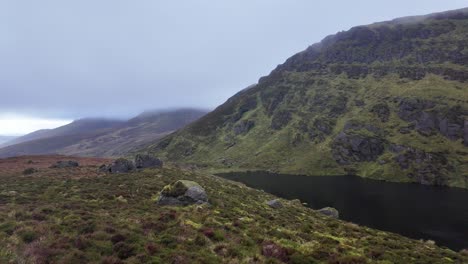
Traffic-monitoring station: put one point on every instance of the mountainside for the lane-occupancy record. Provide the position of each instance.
(101, 137)
(5, 139)
(134, 134)
(81, 126)
(387, 101)
(77, 215)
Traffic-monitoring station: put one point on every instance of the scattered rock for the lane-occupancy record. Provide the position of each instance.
(275, 204)
(121, 166)
(330, 211)
(143, 161)
(426, 167)
(182, 192)
(30, 171)
(429, 118)
(65, 164)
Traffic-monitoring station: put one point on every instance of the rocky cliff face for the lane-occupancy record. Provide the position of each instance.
(387, 101)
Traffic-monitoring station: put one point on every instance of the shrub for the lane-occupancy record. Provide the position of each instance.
(29, 171)
(28, 236)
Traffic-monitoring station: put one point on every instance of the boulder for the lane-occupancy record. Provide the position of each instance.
(275, 204)
(330, 211)
(182, 192)
(66, 164)
(120, 166)
(143, 161)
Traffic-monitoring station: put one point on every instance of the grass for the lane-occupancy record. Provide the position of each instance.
(52, 217)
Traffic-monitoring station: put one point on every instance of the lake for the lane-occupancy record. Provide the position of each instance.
(412, 210)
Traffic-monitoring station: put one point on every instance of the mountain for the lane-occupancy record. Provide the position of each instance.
(102, 137)
(387, 101)
(5, 139)
(135, 133)
(81, 126)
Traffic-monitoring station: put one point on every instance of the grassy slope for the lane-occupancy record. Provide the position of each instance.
(312, 95)
(68, 216)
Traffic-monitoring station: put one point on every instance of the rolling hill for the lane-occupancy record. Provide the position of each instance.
(102, 137)
(387, 101)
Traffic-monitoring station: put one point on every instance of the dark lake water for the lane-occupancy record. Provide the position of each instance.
(413, 210)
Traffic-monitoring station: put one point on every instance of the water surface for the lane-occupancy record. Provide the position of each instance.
(413, 210)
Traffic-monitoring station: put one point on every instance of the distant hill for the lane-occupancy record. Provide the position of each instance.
(5, 139)
(387, 101)
(102, 137)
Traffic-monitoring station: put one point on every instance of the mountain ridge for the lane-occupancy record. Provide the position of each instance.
(102, 137)
(387, 101)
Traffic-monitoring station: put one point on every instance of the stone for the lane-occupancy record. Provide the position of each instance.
(330, 211)
(66, 164)
(182, 192)
(143, 161)
(275, 204)
(121, 166)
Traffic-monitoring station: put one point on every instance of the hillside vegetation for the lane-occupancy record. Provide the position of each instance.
(387, 101)
(102, 137)
(76, 215)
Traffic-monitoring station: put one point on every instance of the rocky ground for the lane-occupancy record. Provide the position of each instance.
(80, 215)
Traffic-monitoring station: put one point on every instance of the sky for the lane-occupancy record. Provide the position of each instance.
(64, 60)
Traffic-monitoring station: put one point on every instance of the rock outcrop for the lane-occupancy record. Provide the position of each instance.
(275, 204)
(330, 211)
(120, 165)
(143, 161)
(182, 192)
(357, 143)
(429, 168)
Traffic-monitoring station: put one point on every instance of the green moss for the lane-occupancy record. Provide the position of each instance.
(233, 228)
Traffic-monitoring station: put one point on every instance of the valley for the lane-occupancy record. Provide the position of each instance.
(352, 151)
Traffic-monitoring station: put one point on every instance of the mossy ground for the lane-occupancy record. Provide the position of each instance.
(55, 216)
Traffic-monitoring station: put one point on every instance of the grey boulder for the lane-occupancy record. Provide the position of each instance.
(330, 211)
(143, 161)
(182, 192)
(275, 204)
(119, 166)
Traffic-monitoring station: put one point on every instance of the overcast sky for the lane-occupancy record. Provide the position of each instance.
(115, 58)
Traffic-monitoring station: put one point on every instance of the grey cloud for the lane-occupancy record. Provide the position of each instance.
(72, 59)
